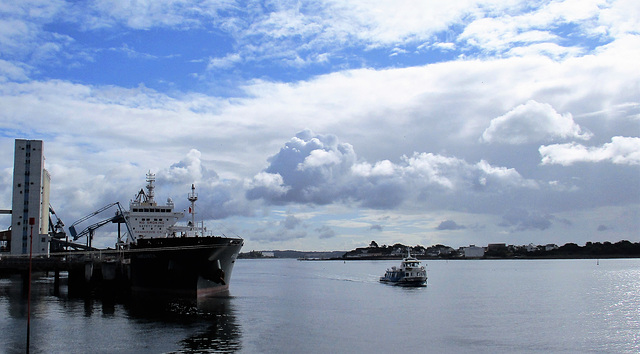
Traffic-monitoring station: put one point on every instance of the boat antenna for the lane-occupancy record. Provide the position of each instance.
(193, 196)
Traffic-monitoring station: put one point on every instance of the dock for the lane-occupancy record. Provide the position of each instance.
(84, 267)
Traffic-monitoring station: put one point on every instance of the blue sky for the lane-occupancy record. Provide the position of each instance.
(323, 125)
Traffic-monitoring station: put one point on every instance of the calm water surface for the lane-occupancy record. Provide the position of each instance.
(277, 306)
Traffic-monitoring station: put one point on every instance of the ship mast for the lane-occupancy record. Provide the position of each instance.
(193, 196)
(150, 179)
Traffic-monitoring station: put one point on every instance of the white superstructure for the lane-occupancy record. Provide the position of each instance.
(148, 219)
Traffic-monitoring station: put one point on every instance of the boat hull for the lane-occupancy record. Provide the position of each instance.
(408, 283)
(185, 266)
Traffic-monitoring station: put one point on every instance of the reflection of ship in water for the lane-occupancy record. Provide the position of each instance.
(223, 334)
(220, 331)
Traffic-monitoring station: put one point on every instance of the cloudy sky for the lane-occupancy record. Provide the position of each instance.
(326, 124)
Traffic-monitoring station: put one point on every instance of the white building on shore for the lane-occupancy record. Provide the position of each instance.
(473, 252)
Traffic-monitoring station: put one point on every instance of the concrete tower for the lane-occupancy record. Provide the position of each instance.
(30, 198)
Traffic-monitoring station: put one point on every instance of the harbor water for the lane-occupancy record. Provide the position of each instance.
(290, 306)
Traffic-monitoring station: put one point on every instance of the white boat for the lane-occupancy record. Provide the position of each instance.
(410, 273)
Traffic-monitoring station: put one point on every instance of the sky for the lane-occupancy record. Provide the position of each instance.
(325, 125)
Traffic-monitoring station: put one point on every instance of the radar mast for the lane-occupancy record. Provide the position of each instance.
(193, 196)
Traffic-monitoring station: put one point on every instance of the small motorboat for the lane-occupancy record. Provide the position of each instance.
(410, 273)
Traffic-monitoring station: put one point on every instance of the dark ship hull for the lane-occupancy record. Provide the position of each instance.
(183, 266)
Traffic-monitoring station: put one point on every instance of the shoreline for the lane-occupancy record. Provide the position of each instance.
(456, 258)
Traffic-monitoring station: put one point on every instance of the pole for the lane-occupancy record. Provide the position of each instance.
(32, 221)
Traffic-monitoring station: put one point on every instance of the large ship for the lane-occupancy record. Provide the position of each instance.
(175, 259)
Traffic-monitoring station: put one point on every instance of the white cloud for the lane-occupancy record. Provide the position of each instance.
(551, 50)
(13, 31)
(225, 62)
(621, 150)
(532, 122)
(189, 170)
(492, 34)
(381, 168)
(267, 184)
(287, 22)
(11, 71)
(376, 23)
(523, 28)
(445, 45)
(303, 33)
(318, 158)
(132, 53)
(619, 19)
(148, 14)
(22, 34)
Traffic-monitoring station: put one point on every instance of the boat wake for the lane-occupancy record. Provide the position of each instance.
(370, 278)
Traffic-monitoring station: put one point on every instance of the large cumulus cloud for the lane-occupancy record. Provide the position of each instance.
(187, 170)
(305, 170)
(319, 169)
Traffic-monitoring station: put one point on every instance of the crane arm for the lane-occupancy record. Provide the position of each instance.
(76, 235)
(95, 226)
(86, 217)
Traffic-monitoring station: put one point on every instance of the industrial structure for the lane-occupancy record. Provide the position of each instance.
(31, 183)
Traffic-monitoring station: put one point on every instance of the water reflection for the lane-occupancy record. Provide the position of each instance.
(208, 325)
(221, 332)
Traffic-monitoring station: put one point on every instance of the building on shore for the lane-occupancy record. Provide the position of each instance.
(30, 206)
(473, 252)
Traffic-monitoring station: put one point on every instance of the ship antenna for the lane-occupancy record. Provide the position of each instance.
(150, 179)
(193, 196)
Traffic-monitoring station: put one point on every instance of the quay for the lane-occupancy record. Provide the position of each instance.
(83, 267)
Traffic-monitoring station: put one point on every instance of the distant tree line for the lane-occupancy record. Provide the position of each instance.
(570, 250)
(606, 249)
(622, 248)
(251, 254)
(292, 254)
(397, 250)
